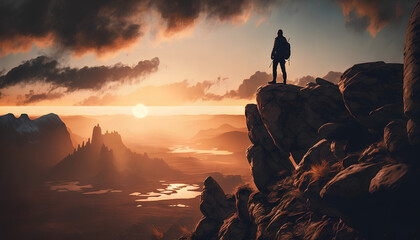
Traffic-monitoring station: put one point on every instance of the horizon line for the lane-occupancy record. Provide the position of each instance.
(121, 110)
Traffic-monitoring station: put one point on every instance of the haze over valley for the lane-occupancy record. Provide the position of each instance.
(114, 165)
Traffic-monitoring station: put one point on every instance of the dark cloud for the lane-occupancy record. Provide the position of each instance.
(47, 70)
(249, 86)
(103, 26)
(356, 23)
(33, 97)
(373, 15)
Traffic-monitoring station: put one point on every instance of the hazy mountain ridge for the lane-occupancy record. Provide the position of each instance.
(213, 132)
(105, 159)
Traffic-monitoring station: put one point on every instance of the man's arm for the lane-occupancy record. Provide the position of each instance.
(273, 52)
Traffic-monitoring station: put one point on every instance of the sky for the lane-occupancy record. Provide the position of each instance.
(183, 52)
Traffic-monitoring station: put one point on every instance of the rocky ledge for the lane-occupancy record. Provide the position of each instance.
(329, 161)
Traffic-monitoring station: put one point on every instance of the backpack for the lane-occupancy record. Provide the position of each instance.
(284, 51)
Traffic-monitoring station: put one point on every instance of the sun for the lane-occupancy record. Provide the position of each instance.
(140, 111)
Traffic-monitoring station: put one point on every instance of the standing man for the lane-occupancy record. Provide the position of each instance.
(281, 52)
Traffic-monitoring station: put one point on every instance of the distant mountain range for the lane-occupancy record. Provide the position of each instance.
(106, 160)
(41, 149)
(213, 132)
(29, 147)
(225, 137)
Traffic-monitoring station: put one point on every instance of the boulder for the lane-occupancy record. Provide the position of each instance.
(391, 178)
(292, 115)
(351, 135)
(412, 77)
(351, 183)
(316, 154)
(396, 211)
(368, 86)
(380, 117)
(395, 137)
(262, 173)
(214, 204)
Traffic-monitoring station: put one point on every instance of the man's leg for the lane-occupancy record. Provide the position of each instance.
(275, 64)
(283, 69)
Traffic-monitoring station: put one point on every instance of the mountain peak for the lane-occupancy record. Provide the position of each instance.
(97, 135)
(24, 116)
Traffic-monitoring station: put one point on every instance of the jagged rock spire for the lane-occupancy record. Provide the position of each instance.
(97, 135)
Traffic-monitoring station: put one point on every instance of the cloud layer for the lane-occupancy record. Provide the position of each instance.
(103, 26)
(182, 93)
(47, 70)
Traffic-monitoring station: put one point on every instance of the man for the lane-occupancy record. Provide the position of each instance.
(281, 52)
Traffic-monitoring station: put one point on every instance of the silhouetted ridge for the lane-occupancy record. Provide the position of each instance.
(28, 147)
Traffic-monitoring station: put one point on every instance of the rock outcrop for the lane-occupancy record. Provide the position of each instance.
(356, 146)
(412, 78)
(372, 89)
(292, 115)
(29, 147)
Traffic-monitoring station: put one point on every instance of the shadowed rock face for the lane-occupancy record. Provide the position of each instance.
(265, 158)
(412, 77)
(292, 115)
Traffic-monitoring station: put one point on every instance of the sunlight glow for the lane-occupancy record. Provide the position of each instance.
(140, 111)
(187, 149)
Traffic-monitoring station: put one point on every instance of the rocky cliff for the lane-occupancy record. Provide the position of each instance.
(28, 148)
(329, 161)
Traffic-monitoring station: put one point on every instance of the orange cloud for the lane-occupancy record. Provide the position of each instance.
(372, 15)
(181, 93)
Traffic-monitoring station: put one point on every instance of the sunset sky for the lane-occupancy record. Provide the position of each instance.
(182, 52)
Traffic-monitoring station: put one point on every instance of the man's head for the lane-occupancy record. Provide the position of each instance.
(280, 32)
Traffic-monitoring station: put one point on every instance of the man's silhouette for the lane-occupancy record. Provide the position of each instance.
(277, 55)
